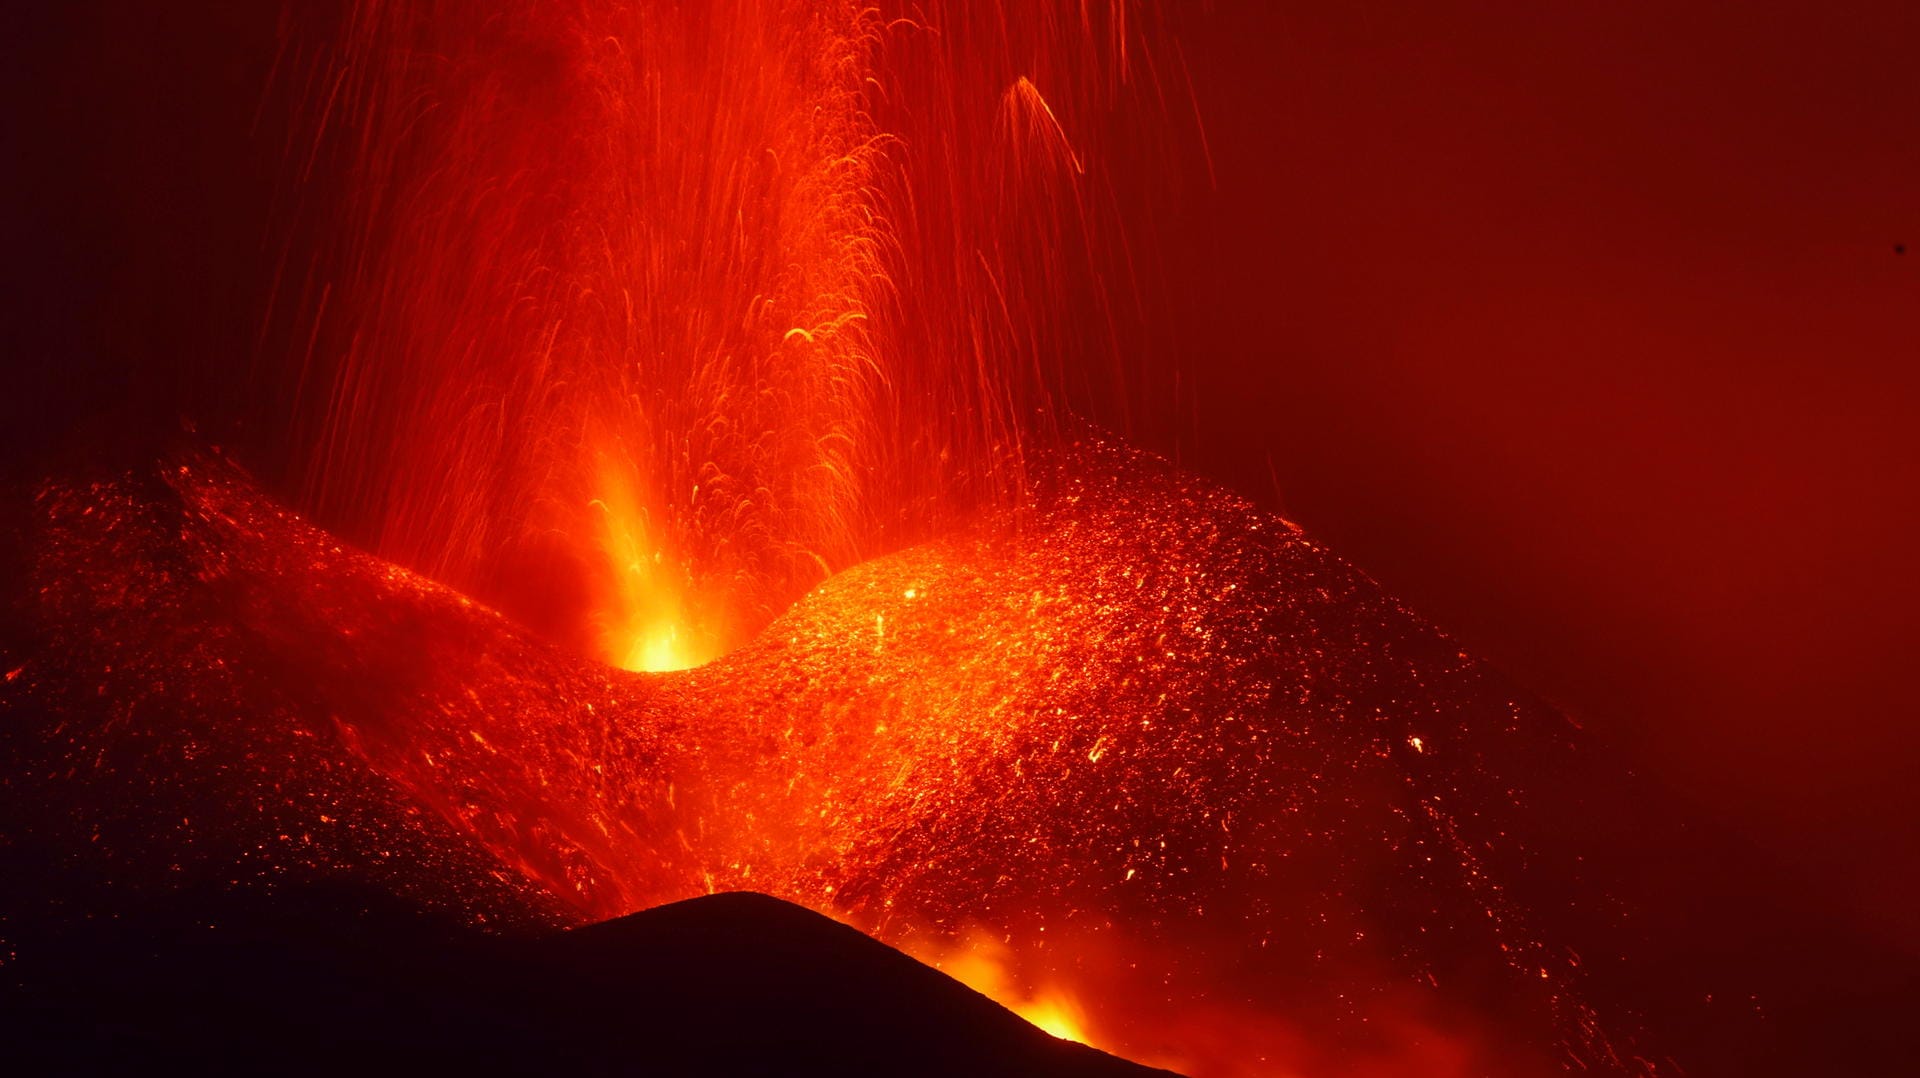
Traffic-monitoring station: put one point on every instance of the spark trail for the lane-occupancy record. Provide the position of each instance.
(639, 319)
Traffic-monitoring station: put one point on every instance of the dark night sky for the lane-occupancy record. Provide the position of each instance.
(1579, 325)
(1582, 327)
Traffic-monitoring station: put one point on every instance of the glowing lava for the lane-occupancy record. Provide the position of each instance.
(638, 320)
(982, 963)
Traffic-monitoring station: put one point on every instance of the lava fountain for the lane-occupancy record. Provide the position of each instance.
(638, 320)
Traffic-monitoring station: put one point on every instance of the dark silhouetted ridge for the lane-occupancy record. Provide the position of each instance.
(807, 990)
(327, 982)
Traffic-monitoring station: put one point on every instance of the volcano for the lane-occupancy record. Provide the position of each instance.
(1136, 746)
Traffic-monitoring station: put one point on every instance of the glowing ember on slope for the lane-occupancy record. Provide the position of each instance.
(981, 963)
(1154, 741)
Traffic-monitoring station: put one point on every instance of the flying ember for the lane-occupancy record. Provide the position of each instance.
(638, 320)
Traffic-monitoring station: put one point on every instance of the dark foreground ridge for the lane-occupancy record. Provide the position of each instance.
(735, 983)
(808, 989)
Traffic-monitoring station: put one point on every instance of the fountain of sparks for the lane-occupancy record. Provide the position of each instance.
(638, 320)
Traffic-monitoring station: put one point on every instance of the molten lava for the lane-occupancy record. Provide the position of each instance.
(639, 320)
(982, 964)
